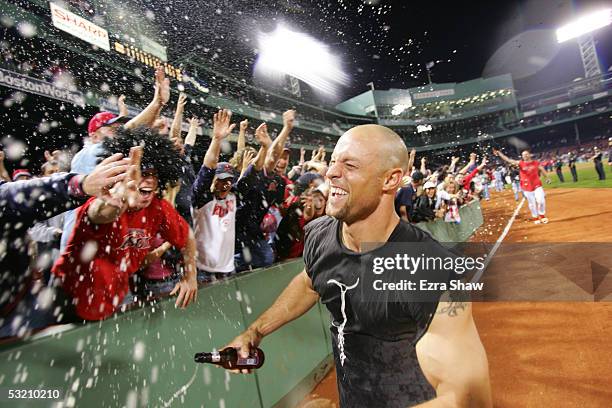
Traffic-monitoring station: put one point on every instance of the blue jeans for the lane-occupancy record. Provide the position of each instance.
(260, 254)
(516, 188)
(161, 288)
(206, 277)
(485, 191)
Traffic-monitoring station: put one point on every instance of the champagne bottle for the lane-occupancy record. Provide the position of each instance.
(229, 358)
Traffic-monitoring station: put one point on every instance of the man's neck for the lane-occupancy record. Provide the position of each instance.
(376, 228)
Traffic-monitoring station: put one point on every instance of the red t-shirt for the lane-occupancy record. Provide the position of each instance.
(529, 174)
(99, 258)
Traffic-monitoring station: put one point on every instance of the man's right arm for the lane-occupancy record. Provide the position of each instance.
(454, 360)
(39, 199)
(297, 298)
(160, 98)
(201, 187)
(505, 158)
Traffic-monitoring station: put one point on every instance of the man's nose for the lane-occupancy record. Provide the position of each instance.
(333, 171)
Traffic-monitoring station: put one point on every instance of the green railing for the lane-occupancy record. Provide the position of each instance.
(471, 219)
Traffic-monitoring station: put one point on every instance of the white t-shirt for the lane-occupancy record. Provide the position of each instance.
(215, 232)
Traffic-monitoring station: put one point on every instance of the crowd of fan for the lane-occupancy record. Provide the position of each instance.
(130, 218)
(429, 195)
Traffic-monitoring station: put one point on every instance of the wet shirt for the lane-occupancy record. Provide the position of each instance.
(530, 175)
(375, 356)
(99, 258)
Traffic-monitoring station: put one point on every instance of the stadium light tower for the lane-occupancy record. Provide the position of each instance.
(582, 29)
(301, 57)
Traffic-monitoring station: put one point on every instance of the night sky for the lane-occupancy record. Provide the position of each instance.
(389, 41)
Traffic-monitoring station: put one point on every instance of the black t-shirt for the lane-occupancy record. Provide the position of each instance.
(597, 158)
(380, 368)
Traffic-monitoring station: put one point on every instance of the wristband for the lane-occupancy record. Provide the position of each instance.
(75, 187)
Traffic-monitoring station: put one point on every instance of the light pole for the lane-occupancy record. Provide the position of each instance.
(581, 29)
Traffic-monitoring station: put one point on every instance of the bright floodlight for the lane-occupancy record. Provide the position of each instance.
(585, 24)
(301, 56)
(398, 109)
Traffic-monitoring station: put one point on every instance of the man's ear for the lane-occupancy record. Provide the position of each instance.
(393, 179)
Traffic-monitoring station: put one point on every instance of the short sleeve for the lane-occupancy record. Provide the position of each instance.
(309, 247)
(173, 227)
(314, 233)
(86, 229)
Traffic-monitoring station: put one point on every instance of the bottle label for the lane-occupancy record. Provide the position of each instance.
(215, 356)
(247, 361)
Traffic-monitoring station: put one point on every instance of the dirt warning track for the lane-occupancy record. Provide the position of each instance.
(555, 354)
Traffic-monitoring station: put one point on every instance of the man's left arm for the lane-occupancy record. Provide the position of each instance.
(544, 173)
(454, 360)
(174, 229)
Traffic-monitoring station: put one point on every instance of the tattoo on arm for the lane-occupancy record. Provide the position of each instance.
(453, 308)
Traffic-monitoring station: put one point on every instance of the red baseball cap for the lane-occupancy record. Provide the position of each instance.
(21, 172)
(98, 120)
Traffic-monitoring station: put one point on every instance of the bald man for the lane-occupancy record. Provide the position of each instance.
(400, 355)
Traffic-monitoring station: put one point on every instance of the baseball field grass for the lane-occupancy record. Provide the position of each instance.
(587, 177)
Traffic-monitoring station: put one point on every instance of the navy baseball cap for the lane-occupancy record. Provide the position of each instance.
(417, 176)
(224, 170)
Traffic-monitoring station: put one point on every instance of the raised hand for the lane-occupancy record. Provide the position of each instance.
(306, 201)
(221, 124)
(126, 191)
(496, 152)
(162, 86)
(192, 134)
(182, 101)
(247, 158)
(261, 134)
(289, 118)
(322, 153)
(123, 109)
(244, 125)
(105, 175)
